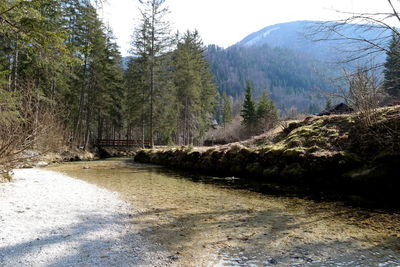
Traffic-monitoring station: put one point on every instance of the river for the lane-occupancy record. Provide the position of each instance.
(200, 223)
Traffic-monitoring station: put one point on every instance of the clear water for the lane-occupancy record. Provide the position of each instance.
(205, 221)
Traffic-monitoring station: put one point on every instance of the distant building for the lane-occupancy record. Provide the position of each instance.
(341, 108)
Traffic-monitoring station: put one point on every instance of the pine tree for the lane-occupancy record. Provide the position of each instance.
(109, 108)
(60, 53)
(195, 89)
(90, 85)
(266, 112)
(392, 68)
(218, 109)
(249, 109)
(136, 98)
(165, 112)
(151, 42)
(227, 109)
(32, 44)
(94, 94)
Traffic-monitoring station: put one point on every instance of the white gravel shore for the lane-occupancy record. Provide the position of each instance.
(49, 219)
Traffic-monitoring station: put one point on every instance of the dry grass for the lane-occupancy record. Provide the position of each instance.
(235, 132)
(327, 135)
(232, 132)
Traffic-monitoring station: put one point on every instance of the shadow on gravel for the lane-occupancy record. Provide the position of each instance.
(95, 241)
(264, 238)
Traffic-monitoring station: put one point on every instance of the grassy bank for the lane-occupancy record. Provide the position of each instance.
(347, 156)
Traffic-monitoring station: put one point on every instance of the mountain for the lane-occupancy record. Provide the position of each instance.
(289, 35)
(300, 36)
(284, 60)
(291, 78)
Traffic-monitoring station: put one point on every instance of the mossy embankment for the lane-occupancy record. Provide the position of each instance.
(345, 156)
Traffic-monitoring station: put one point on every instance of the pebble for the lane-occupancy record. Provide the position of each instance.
(68, 223)
(272, 261)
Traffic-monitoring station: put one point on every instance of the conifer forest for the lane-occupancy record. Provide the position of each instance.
(60, 65)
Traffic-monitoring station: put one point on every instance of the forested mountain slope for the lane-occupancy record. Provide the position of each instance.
(285, 61)
(292, 79)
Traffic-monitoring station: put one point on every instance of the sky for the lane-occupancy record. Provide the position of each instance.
(226, 22)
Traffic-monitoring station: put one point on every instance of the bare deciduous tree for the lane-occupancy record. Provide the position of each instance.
(24, 118)
(365, 93)
(354, 30)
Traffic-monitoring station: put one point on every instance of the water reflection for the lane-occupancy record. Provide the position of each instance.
(202, 221)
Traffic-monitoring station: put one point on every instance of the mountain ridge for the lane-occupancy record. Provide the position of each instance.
(301, 36)
(284, 60)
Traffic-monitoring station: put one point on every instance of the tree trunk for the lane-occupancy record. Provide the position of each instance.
(16, 66)
(100, 128)
(142, 117)
(87, 132)
(151, 107)
(78, 126)
(10, 74)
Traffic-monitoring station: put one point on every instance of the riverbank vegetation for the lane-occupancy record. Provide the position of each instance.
(60, 77)
(63, 84)
(339, 155)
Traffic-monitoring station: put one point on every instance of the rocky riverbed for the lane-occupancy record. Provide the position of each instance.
(211, 221)
(49, 219)
(119, 213)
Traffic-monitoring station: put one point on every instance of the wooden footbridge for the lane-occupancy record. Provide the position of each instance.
(122, 143)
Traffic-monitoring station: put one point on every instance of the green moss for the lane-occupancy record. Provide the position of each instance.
(292, 126)
(244, 155)
(278, 147)
(271, 172)
(254, 168)
(313, 149)
(188, 148)
(235, 149)
(315, 135)
(210, 150)
(294, 142)
(293, 170)
(294, 152)
(193, 151)
(236, 169)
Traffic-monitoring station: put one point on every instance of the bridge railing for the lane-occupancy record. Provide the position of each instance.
(122, 143)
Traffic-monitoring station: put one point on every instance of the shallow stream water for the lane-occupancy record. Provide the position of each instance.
(205, 221)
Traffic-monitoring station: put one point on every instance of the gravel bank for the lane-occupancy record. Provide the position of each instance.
(49, 219)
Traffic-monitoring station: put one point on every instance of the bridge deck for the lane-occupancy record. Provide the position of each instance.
(122, 143)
